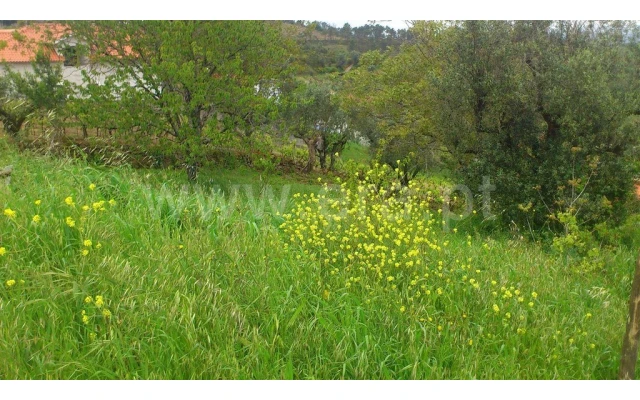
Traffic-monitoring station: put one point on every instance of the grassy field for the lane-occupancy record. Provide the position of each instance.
(356, 152)
(121, 274)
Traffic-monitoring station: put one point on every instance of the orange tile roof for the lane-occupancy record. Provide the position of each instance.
(31, 37)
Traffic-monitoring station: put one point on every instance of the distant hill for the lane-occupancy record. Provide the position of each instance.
(327, 48)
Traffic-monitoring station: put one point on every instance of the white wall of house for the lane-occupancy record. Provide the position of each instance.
(71, 74)
(74, 74)
(18, 67)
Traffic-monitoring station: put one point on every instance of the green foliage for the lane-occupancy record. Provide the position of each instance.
(627, 234)
(201, 286)
(311, 112)
(328, 49)
(13, 114)
(40, 94)
(389, 99)
(45, 88)
(546, 119)
(187, 82)
(541, 108)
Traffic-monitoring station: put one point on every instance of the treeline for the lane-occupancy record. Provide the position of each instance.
(545, 112)
(180, 91)
(368, 31)
(330, 49)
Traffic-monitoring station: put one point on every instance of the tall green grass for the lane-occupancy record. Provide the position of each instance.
(202, 286)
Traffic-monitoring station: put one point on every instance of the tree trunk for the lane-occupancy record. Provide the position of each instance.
(311, 146)
(332, 161)
(323, 159)
(192, 171)
(321, 151)
(630, 342)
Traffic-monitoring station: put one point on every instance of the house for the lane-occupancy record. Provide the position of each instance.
(18, 48)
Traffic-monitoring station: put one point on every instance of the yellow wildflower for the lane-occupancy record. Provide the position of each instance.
(37, 202)
(70, 221)
(402, 309)
(10, 282)
(88, 299)
(99, 301)
(9, 213)
(98, 246)
(92, 336)
(534, 295)
(3, 251)
(36, 219)
(589, 315)
(112, 202)
(86, 208)
(85, 319)
(106, 313)
(87, 243)
(69, 201)
(85, 253)
(92, 186)
(496, 308)
(530, 304)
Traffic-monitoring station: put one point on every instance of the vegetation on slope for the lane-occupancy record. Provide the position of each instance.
(155, 278)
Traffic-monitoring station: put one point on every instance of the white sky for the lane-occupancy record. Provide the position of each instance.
(325, 10)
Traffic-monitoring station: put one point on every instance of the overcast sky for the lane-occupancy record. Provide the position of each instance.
(325, 10)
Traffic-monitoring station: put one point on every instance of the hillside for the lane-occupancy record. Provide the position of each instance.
(157, 280)
(329, 49)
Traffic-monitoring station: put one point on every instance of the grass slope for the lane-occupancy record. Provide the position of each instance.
(199, 285)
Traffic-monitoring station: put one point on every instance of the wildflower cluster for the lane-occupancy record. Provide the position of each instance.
(388, 244)
(81, 215)
(12, 282)
(96, 317)
(45, 218)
